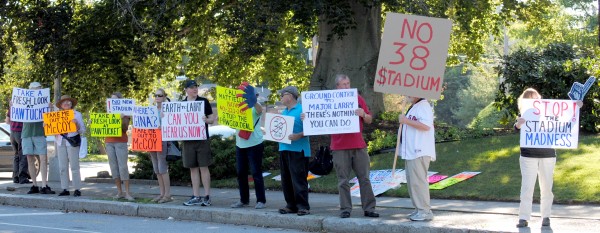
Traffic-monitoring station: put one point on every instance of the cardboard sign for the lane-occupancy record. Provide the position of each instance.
(453, 180)
(123, 106)
(59, 122)
(579, 90)
(412, 58)
(229, 111)
(146, 140)
(436, 178)
(146, 117)
(183, 121)
(29, 105)
(105, 125)
(278, 128)
(330, 112)
(550, 124)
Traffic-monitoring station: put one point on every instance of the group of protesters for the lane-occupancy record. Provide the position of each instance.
(417, 148)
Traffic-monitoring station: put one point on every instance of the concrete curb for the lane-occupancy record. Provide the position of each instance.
(111, 181)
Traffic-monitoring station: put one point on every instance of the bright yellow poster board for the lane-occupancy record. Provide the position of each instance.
(229, 111)
(59, 122)
(105, 125)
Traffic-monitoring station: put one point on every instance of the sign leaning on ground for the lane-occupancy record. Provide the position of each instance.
(105, 125)
(229, 110)
(29, 105)
(123, 106)
(183, 121)
(550, 124)
(146, 117)
(330, 112)
(59, 122)
(278, 128)
(412, 58)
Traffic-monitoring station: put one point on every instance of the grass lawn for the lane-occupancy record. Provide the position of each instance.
(497, 158)
(94, 158)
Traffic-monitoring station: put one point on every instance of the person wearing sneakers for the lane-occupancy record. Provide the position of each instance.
(535, 163)
(117, 152)
(294, 157)
(67, 147)
(196, 154)
(250, 151)
(34, 146)
(350, 154)
(159, 158)
(418, 150)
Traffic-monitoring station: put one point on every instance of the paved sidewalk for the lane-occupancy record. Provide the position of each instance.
(450, 215)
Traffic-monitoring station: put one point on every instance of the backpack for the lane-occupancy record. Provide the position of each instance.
(322, 164)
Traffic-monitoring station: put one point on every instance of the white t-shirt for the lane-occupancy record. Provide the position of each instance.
(417, 143)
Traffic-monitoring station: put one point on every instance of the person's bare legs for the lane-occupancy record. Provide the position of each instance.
(195, 175)
(31, 168)
(166, 185)
(205, 173)
(118, 184)
(44, 169)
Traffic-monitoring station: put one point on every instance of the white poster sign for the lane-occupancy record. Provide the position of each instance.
(29, 105)
(183, 121)
(550, 124)
(330, 112)
(412, 58)
(122, 106)
(146, 117)
(278, 128)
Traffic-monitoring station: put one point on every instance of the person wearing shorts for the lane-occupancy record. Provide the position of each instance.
(196, 154)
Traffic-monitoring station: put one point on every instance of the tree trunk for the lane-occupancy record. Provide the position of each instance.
(354, 55)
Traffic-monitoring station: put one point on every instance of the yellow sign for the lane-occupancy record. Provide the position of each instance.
(59, 122)
(105, 125)
(229, 111)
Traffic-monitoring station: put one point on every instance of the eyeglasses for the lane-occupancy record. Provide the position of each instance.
(157, 95)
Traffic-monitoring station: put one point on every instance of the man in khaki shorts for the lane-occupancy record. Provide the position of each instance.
(196, 154)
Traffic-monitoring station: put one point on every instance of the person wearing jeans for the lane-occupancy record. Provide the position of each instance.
(68, 155)
(20, 175)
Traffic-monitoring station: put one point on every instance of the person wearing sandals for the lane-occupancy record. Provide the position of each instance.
(294, 158)
(249, 151)
(535, 163)
(159, 159)
(117, 152)
(68, 154)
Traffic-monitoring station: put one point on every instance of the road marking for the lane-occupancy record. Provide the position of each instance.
(51, 228)
(30, 214)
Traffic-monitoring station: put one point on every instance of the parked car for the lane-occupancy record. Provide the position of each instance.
(223, 130)
(7, 153)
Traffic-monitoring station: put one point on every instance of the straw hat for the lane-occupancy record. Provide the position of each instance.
(65, 98)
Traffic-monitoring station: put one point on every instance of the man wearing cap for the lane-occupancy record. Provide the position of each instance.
(294, 158)
(196, 154)
(350, 154)
(20, 175)
(34, 145)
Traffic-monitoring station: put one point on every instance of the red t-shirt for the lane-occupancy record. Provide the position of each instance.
(348, 141)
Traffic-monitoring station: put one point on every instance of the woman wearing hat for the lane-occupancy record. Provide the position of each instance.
(68, 154)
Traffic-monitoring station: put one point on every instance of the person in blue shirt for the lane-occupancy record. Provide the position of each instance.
(294, 158)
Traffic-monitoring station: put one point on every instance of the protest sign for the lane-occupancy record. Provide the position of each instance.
(412, 58)
(146, 140)
(29, 105)
(59, 122)
(382, 181)
(123, 106)
(453, 180)
(330, 112)
(183, 121)
(436, 178)
(550, 123)
(310, 176)
(105, 125)
(146, 117)
(278, 128)
(229, 111)
(579, 90)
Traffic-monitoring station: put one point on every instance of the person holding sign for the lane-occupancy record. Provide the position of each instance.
(34, 146)
(67, 148)
(159, 159)
(350, 154)
(20, 175)
(294, 158)
(418, 150)
(535, 163)
(117, 152)
(249, 151)
(196, 154)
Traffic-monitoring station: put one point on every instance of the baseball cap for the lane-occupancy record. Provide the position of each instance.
(190, 83)
(290, 89)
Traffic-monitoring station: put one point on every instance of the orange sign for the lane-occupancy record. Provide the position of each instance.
(59, 122)
(146, 140)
